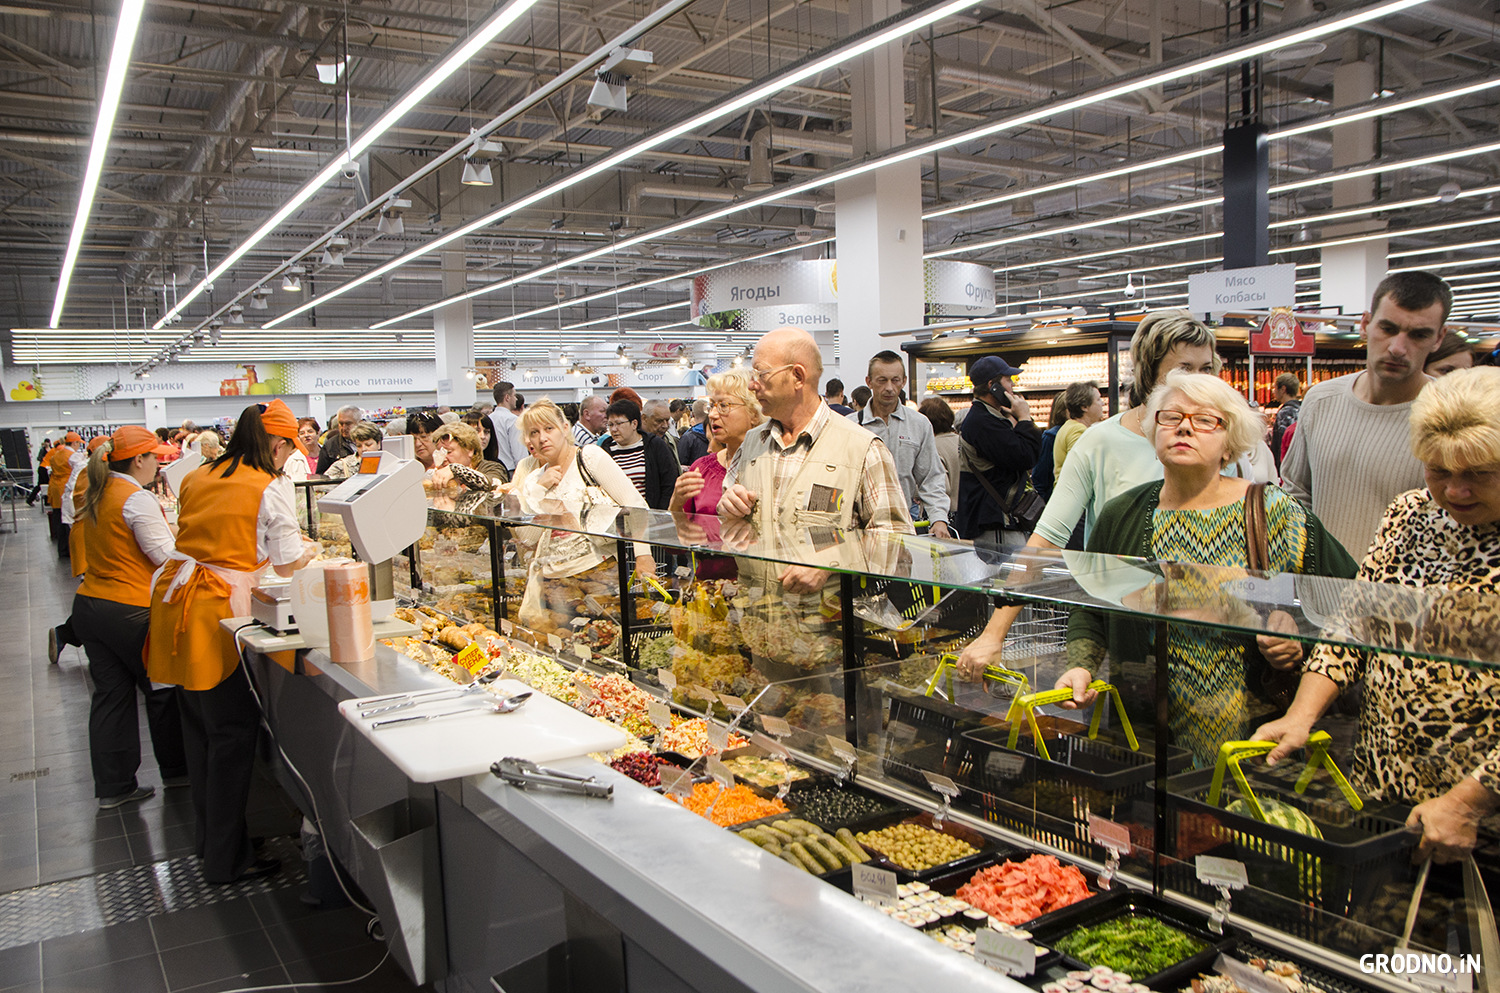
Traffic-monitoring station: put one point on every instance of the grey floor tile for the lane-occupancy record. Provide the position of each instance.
(137, 975)
(92, 949)
(20, 965)
(189, 927)
(207, 961)
(319, 934)
(274, 976)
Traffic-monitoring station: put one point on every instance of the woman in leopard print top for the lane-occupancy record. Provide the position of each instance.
(1427, 730)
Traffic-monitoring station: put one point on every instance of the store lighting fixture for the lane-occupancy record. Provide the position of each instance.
(236, 315)
(215, 333)
(258, 299)
(390, 222)
(477, 163)
(1449, 191)
(334, 251)
(1171, 208)
(126, 28)
(329, 72)
(1121, 86)
(292, 281)
(458, 57)
(1387, 165)
(609, 92)
(613, 317)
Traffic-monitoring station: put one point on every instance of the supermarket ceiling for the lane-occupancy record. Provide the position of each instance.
(224, 121)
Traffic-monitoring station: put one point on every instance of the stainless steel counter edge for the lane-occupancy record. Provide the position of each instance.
(771, 925)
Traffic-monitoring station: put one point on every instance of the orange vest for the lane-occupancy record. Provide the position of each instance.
(216, 520)
(118, 570)
(57, 462)
(77, 557)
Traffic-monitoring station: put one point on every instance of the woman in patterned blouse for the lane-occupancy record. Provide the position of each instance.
(1198, 425)
(1427, 729)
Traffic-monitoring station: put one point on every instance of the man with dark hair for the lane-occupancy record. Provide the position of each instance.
(908, 435)
(1000, 445)
(338, 443)
(860, 396)
(1350, 455)
(509, 449)
(833, 395)
(1285, 393)
(1085, 408)
(693, 444)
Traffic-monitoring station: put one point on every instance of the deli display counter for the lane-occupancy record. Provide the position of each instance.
(789, 748)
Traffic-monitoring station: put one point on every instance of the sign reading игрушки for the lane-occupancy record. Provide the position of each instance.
(1256, 288)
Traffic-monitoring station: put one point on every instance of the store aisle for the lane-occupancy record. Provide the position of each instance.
(112, 900)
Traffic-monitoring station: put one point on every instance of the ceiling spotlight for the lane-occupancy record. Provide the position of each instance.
(333, 252)
(258, 299)
(390, 218)
(1291, 13)
(613, 73)
(215, 332)
(1129, 285)
(477, 163)
(292, 281)
(559, 293)
(183, 347)
(329, 72)
(562, 358)
(199, 337)
(1449, 191)
(236, 314)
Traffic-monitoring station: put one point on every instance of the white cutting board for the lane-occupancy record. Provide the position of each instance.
(544, 730)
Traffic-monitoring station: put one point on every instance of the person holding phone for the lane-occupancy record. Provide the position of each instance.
(999, 445)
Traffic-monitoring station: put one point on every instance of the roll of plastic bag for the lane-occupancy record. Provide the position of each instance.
(351, 633)
(309, 606)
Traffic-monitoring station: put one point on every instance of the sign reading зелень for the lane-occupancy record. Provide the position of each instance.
(1256, 288)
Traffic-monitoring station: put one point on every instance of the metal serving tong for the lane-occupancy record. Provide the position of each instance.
(501, 706)
(524, 773)
(1027, 703)
(1232, 753)
(401, 701)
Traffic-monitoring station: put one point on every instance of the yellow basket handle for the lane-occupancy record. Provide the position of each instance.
(1232, 753)
(948, 664)
(1027, 703)
(651, 583)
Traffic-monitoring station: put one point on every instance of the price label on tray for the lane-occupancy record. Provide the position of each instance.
(732, 703)
(507, 628)
(472, 657)
(775, 726)
(718, 736)
(1003, 953)
(720, 772)
(554, 642)
(667, 679)
(683, 572)
(678, 782)
(842, 748)
(1247, 977)
(941, 784)
(1214, 871)
(874, 885)
(593, 606)
(660, 714)
(586, 693)
(770, 745)
(582, 651)
(703, 693)
(1109, 835)
(903, 733)
(1003, 766)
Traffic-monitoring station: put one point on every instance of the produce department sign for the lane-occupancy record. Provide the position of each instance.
(804, 294)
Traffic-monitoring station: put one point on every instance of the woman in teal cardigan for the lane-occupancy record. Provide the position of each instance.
(1195, 515)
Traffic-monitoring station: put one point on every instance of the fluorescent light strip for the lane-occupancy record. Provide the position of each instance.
(1083, 226)
(1447, 248)
(1108, 252)
(1146, 80)
(1337, 119)
(455, 60)
(109, 105)
(1389, 165)
(1381, 235)
(626, 315)
(906, 24)
(656, 281)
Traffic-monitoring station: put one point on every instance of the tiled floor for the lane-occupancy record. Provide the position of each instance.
(51, 830)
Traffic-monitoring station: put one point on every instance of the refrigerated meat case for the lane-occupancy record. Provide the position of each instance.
(855, 682)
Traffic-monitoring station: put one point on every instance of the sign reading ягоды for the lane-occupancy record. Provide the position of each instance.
(1256, 288)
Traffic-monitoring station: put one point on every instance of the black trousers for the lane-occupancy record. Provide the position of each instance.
(220, 727)
(54, 522)
(113, 635)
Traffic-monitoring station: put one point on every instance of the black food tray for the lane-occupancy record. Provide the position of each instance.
(987, 847)
(887, 807)
(950, 880)
(1121, 903)
(842, 877)
(1359, 850)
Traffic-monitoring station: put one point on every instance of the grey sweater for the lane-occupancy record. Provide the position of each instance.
(1348, 460)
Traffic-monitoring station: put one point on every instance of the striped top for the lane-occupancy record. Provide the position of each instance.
(1349, 459)
(632, 461)
(583, 436)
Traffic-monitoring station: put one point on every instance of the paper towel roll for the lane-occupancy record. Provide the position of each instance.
(351, 635)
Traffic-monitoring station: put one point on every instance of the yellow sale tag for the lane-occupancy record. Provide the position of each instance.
(472, 657)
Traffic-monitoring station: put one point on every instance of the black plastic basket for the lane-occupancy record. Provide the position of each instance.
(1359, 850)
(923, 734)
(1122, 903)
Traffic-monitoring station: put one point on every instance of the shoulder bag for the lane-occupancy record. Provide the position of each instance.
(1279, 686)
(1024, 505)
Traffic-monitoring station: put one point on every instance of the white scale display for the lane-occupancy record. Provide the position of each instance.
(382, 505)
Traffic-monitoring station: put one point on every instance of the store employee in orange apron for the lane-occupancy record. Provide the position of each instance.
(57, 462)
(234, 515)
(127, 539)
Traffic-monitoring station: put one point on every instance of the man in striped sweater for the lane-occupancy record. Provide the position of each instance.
(1350, 456)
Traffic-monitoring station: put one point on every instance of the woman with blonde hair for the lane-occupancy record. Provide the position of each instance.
(462, 446)
(1196, 514)
(732, 411)
(1427, 730)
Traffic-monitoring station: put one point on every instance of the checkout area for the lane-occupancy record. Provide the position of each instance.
(498, 857)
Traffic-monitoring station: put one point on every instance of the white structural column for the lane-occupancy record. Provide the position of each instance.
(878, 224)
(453, 337)
(1351, 272)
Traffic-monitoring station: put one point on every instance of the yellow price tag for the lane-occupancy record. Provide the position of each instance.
(472, 657)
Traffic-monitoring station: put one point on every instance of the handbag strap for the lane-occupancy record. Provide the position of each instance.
(1007, 507)
(1257, 531)
(583, 469)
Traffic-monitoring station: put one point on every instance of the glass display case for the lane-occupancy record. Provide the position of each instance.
(800, 689)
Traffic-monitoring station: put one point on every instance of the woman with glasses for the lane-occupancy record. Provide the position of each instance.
(732, 412)
(420, 424)
(1197, 424)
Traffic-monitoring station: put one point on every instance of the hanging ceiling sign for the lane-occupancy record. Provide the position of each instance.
(1281, 334)
(1253, 288)
(958, 289)
(764, 285)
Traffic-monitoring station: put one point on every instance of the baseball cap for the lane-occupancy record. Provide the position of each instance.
(991, 368)
(96, 441)
(278, 420)
(73, 438)
(132, 440)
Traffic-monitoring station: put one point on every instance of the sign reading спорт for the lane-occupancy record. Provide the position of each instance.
(1256, 288)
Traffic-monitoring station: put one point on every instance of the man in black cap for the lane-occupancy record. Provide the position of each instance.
(1000, 444)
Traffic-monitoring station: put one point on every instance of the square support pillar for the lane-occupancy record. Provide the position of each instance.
(453, 337)
(1247, 204)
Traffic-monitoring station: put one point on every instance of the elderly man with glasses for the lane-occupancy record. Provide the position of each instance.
(806, 467)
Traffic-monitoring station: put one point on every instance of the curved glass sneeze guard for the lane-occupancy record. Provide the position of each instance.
(1433, 623)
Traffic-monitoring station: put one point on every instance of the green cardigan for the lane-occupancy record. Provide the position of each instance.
(1124, 528)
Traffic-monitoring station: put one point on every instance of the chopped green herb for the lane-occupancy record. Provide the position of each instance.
(1133, 944)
